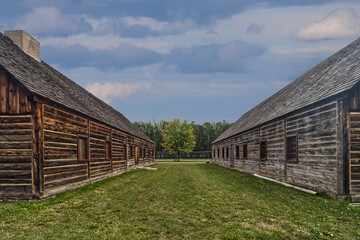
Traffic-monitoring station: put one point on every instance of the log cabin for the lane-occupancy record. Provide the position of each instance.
(55, 135)
(307, 134)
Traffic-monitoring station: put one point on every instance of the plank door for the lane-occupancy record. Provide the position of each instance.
(354, 155)
(231, 156)
(136, 155)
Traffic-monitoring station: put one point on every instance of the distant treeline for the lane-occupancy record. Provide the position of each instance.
(205, 133)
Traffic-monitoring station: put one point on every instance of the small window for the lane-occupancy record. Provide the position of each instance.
(223, 152)
(83, 148)
(291, 149)
(125, 151)
(108, 150)
(263, 151)
(245, 151)
(227, 152)
(237, 152)
(218, 152)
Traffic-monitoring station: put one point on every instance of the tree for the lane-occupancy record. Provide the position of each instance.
(205, 134)
(178, 137)
(153, 131)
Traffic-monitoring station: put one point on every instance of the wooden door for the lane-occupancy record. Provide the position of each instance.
(354, 153)
(136, 155)
(231, 156)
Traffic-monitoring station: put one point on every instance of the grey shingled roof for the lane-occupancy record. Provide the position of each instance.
(336, 74)
(43, 80)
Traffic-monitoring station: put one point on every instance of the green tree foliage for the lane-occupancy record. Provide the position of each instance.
(178, 137)
(207, 133)
(153, 131)
(204, 133)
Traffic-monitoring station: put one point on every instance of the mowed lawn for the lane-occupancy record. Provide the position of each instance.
(182, 160)
(194, 201)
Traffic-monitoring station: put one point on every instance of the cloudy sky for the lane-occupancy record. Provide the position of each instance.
(200, 60)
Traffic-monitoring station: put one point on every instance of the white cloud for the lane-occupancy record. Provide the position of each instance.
(341, 23)
(111, 91)
(51, 20)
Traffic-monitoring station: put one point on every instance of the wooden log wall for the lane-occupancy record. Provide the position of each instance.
(61, 166)
(131, 156)
(251, 163)
(317, 158)
(120, 151)
(316, 168)
(274, 135)
(16, 136)
(16, 176)
(98, 135)
(13, 97)
(354, 142)
(39, 140)
(143, 153)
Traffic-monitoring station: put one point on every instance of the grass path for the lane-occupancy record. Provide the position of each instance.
(194, 201)
(198, 160)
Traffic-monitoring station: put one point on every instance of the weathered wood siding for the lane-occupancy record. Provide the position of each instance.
(16, 137)
(274, 135)
(120, 150)
(98, 164)
(61, 166)
(39, 145)
(317, 158)
(13, 97)
(16, 156)
(316, 130)
(354, 142)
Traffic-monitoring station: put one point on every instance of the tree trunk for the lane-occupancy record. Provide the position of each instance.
(178, 156)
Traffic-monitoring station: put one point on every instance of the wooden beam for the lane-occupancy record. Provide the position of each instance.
(342, 147)
(287, 185)
(38, 154)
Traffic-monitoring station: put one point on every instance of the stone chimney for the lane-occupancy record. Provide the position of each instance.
(26, 42)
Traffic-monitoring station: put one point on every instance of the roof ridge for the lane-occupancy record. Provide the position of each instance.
(44, 80)
(309, 76)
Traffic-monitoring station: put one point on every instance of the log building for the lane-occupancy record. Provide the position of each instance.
(306, 134)
(55, 135)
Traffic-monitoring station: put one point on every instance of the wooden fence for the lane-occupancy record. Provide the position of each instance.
(198, 155)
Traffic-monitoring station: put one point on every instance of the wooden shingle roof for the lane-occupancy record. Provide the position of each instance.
(335, 75)
(43, 80)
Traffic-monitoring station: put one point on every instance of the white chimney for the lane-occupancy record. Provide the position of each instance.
(26, 42)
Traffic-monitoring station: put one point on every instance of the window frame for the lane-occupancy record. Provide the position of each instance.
(245, 151)
(87, 148)
(263, 155)
(287, 149)
(110, 150)
(237, 152)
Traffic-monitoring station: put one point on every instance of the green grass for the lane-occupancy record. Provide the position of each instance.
(193, 201)
(183, 160)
